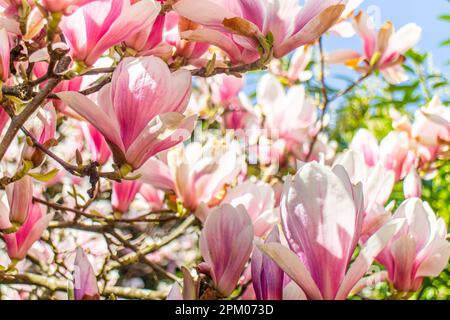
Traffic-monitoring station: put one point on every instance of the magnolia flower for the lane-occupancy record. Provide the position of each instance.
(344, 28)
(85, 282)
(297, 66)
(96, 143)
(322, 242)
(95, 27)
(290, 117)
(153, 196)
(226, 243)
(19, 242)
(384, 49)
(4, 54)
(19, 195)
(396, 155)
(174, 25)
(377, 183)
(140, 112)
(419, 250)
(412, 185)
(234, 25)
(43, 129)
(267, 276)
(432, 124)
(123, 194)
(257, 199)
(197, 173)
(365, 143)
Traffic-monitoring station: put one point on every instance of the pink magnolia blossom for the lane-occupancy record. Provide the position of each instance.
(431, 125)
(197, 173)
(290, 116)
(290, 25)
(95, 27)
(19, 195)
(225, 89)
(257, 199)
(412, 185)
(43, 130)
(96, 143)
(12, 6)
(226, 243)
(267, 276)
(365, 143)
(297, 66)
(384, 49)
(378, 184)
(396, 154)
(322, 242)
(123, 194)
(174, 25)
(419, 250)
(85, 282)
(20, 242)
(344, 28)
(153, 196)
(140, 112)
(4, 54)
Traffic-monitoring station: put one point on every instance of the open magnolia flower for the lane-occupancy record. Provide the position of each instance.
(322, 242)
(384, 49)
(230, 25)
(140, 112)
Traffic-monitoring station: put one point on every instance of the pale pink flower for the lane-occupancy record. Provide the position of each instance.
(123, 194)
(96, 143)
(412, 185)
(19, 195)
(43, 129)
(384, 49)
(84, 283)
(62, 5)
(225, 89)
(140, 112)
(322, 242)
(20, 242)
(226, 243)
(366, 143)
(396, 155)
(4, 54)
(419, 250)
(153, 196)
(290, 25)
(97, 26)
(290, 116)
(344, 28)
(267, 276)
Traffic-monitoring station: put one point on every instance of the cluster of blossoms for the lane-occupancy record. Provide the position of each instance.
(130, 153)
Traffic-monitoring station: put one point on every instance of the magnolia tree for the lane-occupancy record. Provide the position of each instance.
(137, 162)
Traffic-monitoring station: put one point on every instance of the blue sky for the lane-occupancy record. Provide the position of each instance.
(401, 12)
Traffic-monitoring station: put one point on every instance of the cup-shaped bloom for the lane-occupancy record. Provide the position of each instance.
(226, 243)
(412, 185)
(84, 280)
(322, 214)
(96, 143)
(366, 143)
(259, 201)
(18, 243)
(226, 88)
(290, 25)
(432, 124)
(151, 35)
(123, 194)
(419, 250)
(201, 173)
(384, 49)
(20, 194)
(97, 26)
(267, 276)
(377, 183)
(395, 154)
(43, 130)
(289, 116)
(140, 112)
